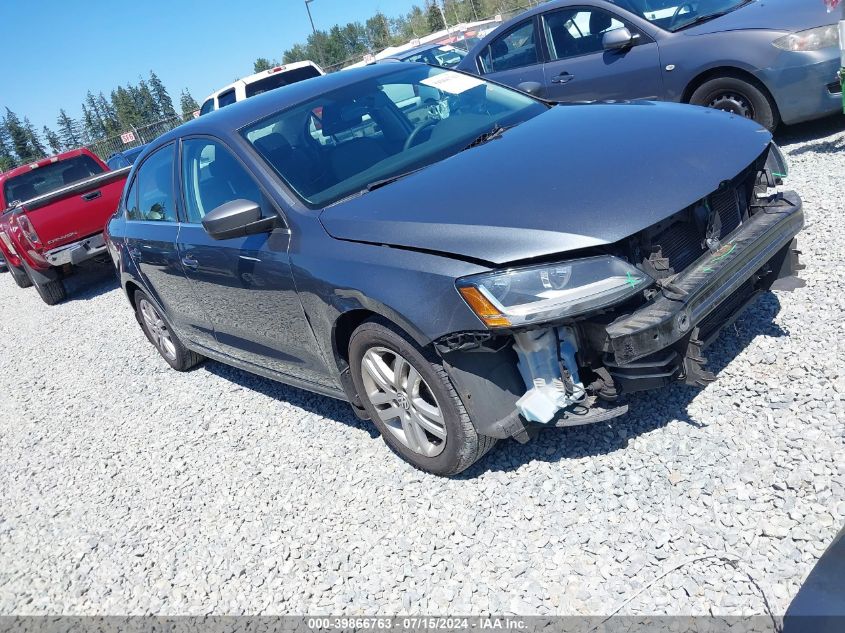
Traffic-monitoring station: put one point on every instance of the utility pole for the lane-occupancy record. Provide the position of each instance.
(314, 30)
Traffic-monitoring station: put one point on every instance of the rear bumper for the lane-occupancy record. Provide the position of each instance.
(77, 252)
(708, 283)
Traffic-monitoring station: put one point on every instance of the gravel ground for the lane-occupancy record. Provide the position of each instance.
(128, 488)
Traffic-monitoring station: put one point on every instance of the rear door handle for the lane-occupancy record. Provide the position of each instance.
(190, 262)
(92, 196)
(563, 78)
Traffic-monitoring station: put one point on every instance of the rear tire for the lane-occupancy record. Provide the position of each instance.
(417, 410)
(20, 276)
(739, 97)
(52, 292)
(162, 336)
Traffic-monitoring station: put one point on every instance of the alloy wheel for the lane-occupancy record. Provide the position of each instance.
(404, 402)
(734, 103)
(158, 330)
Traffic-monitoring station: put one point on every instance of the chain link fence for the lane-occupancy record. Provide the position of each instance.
(133, 137)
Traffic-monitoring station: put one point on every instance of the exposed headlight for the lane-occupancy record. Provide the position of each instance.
(809, 40)
(521, 296)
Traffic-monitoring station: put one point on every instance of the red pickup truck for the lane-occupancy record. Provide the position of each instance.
(53, 215)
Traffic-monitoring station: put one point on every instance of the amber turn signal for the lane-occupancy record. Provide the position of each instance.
(482, 307)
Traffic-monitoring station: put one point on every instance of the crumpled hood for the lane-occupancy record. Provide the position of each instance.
(774, 15)
(573, 177)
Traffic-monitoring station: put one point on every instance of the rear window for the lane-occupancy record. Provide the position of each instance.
(226, 98)
(49, 178)
(280, 79)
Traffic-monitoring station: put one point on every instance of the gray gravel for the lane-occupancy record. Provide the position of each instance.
(128, 488)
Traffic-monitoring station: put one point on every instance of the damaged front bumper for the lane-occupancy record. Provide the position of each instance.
(648, 348)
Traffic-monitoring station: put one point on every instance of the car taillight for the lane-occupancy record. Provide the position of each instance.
(27, 230)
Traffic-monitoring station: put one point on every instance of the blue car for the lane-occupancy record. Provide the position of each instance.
(774, 61)
(463, 266)
(126, 158)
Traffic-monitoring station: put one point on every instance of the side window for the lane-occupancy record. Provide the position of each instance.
(575, 32)
(207, 107)
(514, 49)
(131, 202)
(211, 176)
(226, 98)
(156, 201)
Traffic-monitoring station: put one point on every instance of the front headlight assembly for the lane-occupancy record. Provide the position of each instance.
(522, 296)
(809, 40)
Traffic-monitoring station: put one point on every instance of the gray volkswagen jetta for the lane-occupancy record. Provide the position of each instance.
(771, 61)
(459, 261)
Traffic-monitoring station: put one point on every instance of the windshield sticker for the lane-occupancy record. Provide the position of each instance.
(453, 83)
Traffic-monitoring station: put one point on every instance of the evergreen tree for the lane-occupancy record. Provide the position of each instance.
(188, 104)
(91, 125)
(124, 107)
(262, 63)
(434, 17)
(35, 142)
(93, 118)
(146, 104)
(68, 131)
(7, 157)
(162, 99)
(378, 33)
(19, 137)
(109, 116)
(53, 140)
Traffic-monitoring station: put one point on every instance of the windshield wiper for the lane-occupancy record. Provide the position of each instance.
(711, 16)
(378, 184)
(491, 134)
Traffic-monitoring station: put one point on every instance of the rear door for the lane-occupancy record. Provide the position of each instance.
(152, 229)
(579, 69)
(245, 284)
(515, 56)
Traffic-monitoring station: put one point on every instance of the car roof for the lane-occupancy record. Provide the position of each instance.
(237, 115)
(250, 79)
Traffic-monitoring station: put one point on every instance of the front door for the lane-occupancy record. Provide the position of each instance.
(579, 69)
(514, 57)
(245, 283)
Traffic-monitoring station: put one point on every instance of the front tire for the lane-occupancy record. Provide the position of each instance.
(410, 398)
(739, 97)
(20, 276)
(162, 336)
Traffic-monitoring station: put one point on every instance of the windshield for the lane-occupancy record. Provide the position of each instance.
(673, 15)
(446, 56)
(339, 143)
(49, 178)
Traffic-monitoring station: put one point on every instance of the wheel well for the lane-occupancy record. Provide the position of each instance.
(728, 71)
(131, 287)
(342, 334)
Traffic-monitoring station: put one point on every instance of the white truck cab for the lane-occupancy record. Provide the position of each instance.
(263, 81)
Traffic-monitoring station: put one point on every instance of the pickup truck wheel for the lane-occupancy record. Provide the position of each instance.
(52, 292)
(162, 336)
(20, 276)
(737, 96)
(410, 398)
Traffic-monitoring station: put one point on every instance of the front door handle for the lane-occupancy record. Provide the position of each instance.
(563, 78)
(190, 262)
(92, 196)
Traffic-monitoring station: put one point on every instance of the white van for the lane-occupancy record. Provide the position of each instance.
(260, 82)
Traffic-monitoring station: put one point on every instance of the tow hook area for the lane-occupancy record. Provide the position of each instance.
(547, 365)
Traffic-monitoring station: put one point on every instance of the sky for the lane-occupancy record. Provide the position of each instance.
(74, 46)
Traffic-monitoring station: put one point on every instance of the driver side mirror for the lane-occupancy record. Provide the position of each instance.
(237, 218)
(618, 39)
(534, 88)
